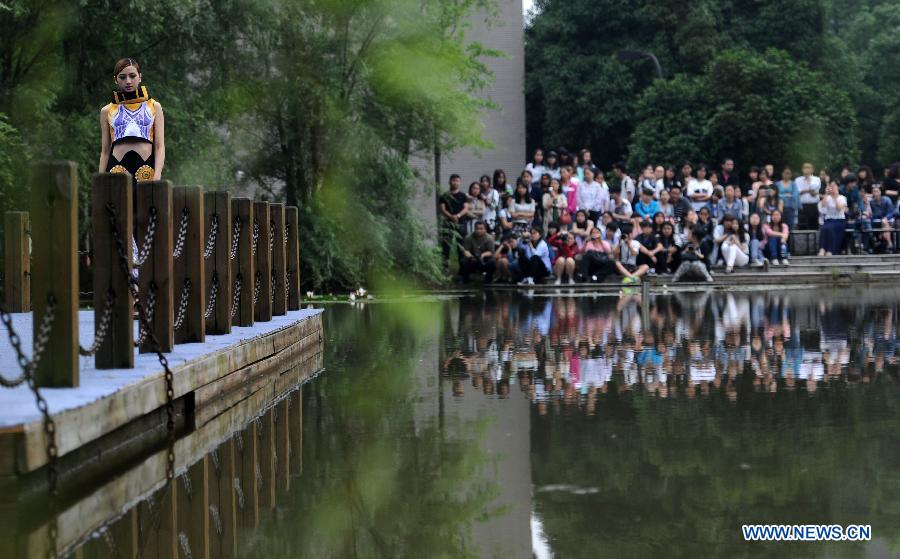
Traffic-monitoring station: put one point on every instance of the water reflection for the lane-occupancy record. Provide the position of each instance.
(563, 352)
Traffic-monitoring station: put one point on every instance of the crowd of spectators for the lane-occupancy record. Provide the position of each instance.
(566, 219)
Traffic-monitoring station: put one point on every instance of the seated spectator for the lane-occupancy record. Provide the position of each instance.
(692, 267)
(646, 206)
(658, 219)
(734, 248)
(534, 258)
(713, 207)
(611, 233)
(650, 247)
(777, 233)
(768, 202)
(756, 239)
(680, 205)
(566, 250)
(665, 205)
(670, 258)
(882, 216)
(581, 227)
(596, 258)
(478, 253)
(626, 264)
(507, 258)
(556, 206)
(833, 209)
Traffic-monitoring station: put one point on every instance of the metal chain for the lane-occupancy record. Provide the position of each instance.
(287, 227)
(274, 284)
(28, 368)
(144, 253)
(255, 236)
(103, 328)
(182, 307)
(235, 237)
(182, 234)
(151, 309)
(211, 239)
(287, 286)
(272, 231)
(256, 287)
(144, 320)
(236, 299)
(213, 292)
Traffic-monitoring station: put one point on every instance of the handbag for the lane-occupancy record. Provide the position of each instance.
(565, 218)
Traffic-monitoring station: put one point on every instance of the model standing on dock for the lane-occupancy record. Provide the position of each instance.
(132, 127)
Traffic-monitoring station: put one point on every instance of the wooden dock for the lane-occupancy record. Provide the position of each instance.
(209, 378)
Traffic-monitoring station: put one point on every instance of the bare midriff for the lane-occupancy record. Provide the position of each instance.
(142, 148)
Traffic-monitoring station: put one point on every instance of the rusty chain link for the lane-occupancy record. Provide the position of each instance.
(103, 328)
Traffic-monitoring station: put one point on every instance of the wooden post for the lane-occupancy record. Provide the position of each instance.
(124, 534)
(158, 528)
(17, 260)
(188, 267)
(156, 271)
(282, 446)
(247, 447)
(263, 274)
(223, 537)
(54, 235)
(266, 450)
(279, 264)
(292, 256)
(243, 267)
(295, 405)
(218, 263)
(193, 508)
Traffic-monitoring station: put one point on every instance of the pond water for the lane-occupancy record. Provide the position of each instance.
(508, 425)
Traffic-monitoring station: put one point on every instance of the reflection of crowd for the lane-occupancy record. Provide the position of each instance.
(562, 352)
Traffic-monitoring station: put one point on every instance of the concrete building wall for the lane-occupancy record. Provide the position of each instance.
(504, 128)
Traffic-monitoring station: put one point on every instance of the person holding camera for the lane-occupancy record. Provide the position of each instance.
(566, 251)
(734, 247)
(692, 266)
(478, 254)
(629, 249)
(507, 258)
(596, 257)
(534, 257)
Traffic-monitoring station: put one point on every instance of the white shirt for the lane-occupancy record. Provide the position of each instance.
(491, 203)
(623, 207)
(814, 184)
(627, 188)
(828, 207)
(591, 197)
(629, 257)
(536, 172)
(699, 187)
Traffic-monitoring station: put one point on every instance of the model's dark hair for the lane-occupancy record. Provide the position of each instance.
(125, 63)
(497, 174)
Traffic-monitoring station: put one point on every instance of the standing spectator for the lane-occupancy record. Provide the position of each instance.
(491, 199)
(534, 258)
(699, 189)
(454, 206)
(790, 197)
(763, 183)
(584, 157)
(619, 207)
(591, 196)
(626, 183)
(770, 170)
(680, 205)
(865, 179)
(536, 167)
(777, 233)
(729, 177)
(756, 238)
(809, 186)
(730, 204)
(669, 178)
(522, 208)
(768, 201)
(556, 206)
(683, 180)
(833, 207)
(569, 187)
(552, 165)
(478, 253)
(500, 184)
(534, 190)
(476, 208)
(648, 180)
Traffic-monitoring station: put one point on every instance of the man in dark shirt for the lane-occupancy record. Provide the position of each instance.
(478, 254)
(454, 205)
(728, 176)
(650, 246)
(680, 205)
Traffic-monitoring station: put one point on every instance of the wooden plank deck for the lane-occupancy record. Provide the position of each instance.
(216, 374)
